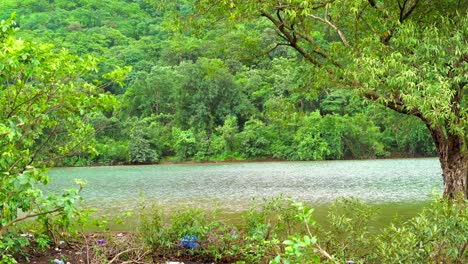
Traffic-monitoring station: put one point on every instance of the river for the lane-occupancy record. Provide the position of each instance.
(230, 186)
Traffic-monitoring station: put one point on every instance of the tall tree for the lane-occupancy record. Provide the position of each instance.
(408, 55)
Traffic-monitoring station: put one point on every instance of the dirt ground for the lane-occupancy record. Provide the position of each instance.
(93, 248)
(67, 255)
(98, 248)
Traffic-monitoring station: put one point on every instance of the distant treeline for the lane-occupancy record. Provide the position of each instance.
(221, 95)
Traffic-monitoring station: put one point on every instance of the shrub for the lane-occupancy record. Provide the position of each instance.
(437, 235)
(184, 143)
(255, 140)
(349, 236)
(139, 148)
(255, 240)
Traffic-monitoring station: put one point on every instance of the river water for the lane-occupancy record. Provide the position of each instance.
(230, 186)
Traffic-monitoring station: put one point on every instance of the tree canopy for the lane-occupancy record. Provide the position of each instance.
(408, 55)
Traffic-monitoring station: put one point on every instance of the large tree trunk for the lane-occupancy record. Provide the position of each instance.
(455, 173)
(453, 160)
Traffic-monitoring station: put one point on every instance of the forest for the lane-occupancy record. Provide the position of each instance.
(213, 93)
(132, 82)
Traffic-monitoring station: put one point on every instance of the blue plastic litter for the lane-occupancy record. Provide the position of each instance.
(189, 242)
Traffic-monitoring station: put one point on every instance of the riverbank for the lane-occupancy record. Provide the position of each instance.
(198, 236)
(175, 161)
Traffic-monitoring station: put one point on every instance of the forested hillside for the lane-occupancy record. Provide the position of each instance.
(216, 92)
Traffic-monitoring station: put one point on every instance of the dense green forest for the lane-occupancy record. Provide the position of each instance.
(216, 92)
(86, 82)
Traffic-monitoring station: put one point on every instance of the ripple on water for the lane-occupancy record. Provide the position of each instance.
(231, 186)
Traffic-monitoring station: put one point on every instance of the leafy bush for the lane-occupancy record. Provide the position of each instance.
(139, 148)
(184, 143)
(255, 240)
(349, 236)
(309, 140)
(437, 235)
(255, 139)
(302, 248)
(112, 152)
(147, 139)
(44, 116)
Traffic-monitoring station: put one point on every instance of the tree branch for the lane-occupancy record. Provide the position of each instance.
(116, 257)
(275, 47)
(29, 215)
(290, 38)
(404, 15)
(340, 33)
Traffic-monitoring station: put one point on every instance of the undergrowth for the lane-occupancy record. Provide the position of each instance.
(276, 230)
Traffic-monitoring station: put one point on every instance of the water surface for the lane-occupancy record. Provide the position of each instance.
(231, 186)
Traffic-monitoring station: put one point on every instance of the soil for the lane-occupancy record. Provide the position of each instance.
(67, 255)
(77, 252)
(97, 248)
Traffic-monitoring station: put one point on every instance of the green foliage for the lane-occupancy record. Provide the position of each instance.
(45, 106)
(204, 77)
(405, 134)
(152, 92)
(300, 248)
(362, 138)
(228, 133)
(184, 143)
(310, 144)
(11, 245)
(349, 235)
(139, 148)
(146, 141)
(437, 235)
(112, 140)
(431, 87)
(255, 240)
(112, 152)
(255, 139)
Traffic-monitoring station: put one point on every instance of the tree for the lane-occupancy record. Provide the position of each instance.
(45, 106)
(153, 92)
(408, 55)
(208, 94)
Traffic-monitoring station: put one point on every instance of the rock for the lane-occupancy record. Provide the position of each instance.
(61, 244)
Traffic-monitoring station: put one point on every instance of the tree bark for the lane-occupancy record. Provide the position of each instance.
(455, 174)
(454, 162)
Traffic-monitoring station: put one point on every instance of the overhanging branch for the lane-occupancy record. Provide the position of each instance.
(27, 216)
(30, 214)
(329, 23)
(288, 36)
